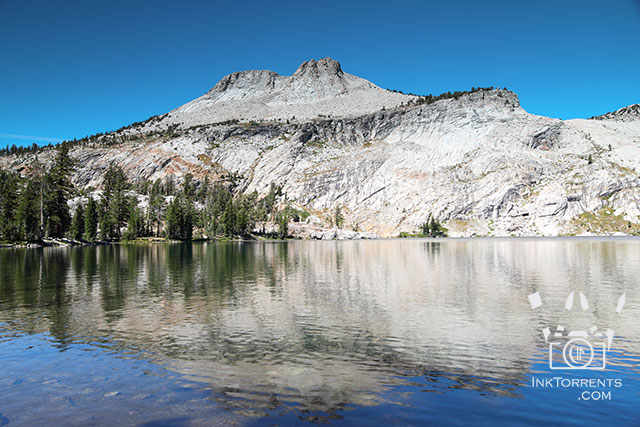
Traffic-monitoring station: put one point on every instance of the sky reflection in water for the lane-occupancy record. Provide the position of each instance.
(394, 331)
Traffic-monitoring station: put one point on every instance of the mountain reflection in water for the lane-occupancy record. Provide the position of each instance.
(326, 326)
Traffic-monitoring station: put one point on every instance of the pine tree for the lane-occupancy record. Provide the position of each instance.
(174, 220)
(169, 186)
(432, 228)
(189, 219)
(77, 224)
(39, 179)
(242, 221)
(107, 220)
(155, 209)
(135, 225)
(188, 189)
(283, 225)
(188, 208)
(9, 187)
(338, 219)
(269, 200)
(202, 191)
(425, 228)
(91, 221)
(58, 191)
(210, 213)
(28, 212)
(229, 219)
(115, 204)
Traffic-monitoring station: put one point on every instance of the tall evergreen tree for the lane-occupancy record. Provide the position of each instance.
(108, 230)
(9, 195)
(28, 213)
(155, 209)
(201, 196)
(135, 224)
(188, 215)
(188, 189)
(179, 222)
(432, 228)
(39, 179)
(174, 220)
(217, 204)
(269, 201)
(242, 221)
(338, 218)
(209, 215)
(283, 224)
(188, 208)
(58, 191)
(77, 223)
(91, 221)
(115, 204)
(229, 219)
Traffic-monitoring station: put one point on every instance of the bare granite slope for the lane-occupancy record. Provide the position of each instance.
(317, 88)
(480, 163)
(625, 114)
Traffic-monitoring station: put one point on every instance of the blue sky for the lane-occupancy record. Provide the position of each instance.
(73, 68)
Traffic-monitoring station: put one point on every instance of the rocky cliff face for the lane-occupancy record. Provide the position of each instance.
(480, 163)
(317, 88)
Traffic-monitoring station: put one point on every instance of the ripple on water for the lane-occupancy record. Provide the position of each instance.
(415, 329)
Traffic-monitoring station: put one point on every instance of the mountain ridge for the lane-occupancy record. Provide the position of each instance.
(316, 88)
(628, 113)
(476, 160)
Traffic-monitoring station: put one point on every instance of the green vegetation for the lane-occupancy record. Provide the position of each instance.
(319, 143)
(297, 215)
(179, 224)
(91, 221)
(8, 208)
(338, 219)
(59, 190)
(77, 224)
(37, 206)
(106, 139)
(603, 221)
(114, 207)
(283, 225)
(139, 132)
(432, 228)
(430, 99)
(135, 225)
(33, 208)
(16, 150)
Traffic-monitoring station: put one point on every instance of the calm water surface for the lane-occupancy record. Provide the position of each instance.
(402, 332)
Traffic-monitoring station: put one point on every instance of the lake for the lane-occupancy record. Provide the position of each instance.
(398, 332)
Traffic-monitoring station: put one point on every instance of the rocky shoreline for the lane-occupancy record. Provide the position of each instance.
(297, 233)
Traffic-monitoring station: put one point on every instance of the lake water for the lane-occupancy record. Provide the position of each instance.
(400, 332)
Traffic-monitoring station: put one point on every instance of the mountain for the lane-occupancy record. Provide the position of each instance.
(317, 88)
(625, 114)
(476, 160)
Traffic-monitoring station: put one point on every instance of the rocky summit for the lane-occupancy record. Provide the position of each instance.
(317, 88)
(476, 160)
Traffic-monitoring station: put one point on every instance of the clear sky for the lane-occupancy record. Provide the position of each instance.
(75, 67)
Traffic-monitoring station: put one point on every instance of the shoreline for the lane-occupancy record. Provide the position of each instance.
(61, 243)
